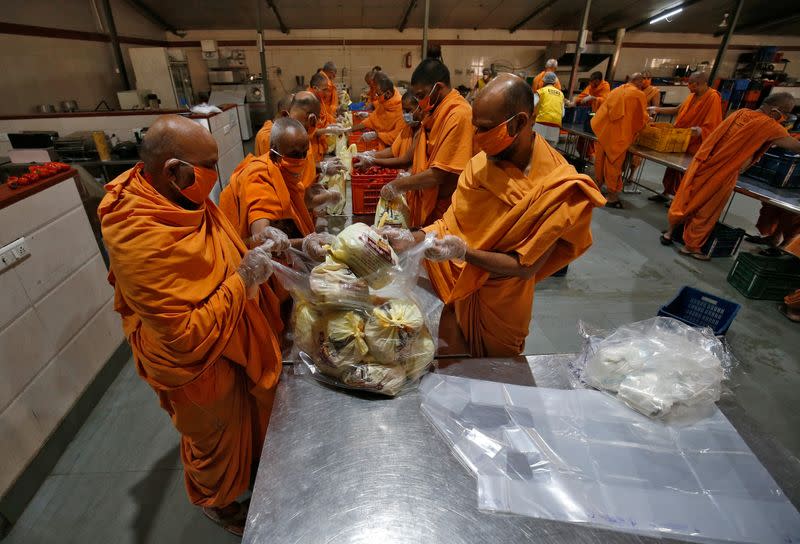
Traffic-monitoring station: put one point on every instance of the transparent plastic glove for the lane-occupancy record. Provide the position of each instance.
(255, 269)
(399, 239)
(364, 160)
(369, 136)
(448, 248)
(587, 99)
(390, 192)
(316, 245)
(652, 110)
(331, 167)
(361, 114)
(334, 129)
(697, 131)
(272, 240)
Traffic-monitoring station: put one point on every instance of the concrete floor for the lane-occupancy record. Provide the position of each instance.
(120, 480)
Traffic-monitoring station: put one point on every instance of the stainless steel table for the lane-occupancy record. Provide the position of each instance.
(345, 468)
(786, 199)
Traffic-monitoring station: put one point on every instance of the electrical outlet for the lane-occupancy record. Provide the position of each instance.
(13, 253)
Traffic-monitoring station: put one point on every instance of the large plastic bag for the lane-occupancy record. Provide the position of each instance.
(394, 213)
(336, 182)
(373, 329)
(660, 367)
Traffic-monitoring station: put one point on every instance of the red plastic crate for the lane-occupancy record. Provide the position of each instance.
(361, 145)
(366, 191)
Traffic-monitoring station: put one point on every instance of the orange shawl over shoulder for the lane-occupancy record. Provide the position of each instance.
(619, 119)
(402, 144)
(599, 91)
(498, 208)
(700, 111)
(262, 139)
(387, 119)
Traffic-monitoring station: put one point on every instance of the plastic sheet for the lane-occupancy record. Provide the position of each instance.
(580, 456)
(361, 320)
(660, 367)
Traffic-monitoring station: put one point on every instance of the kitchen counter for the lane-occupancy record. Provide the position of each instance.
(10, 196)
(340, 467)
(113, 113)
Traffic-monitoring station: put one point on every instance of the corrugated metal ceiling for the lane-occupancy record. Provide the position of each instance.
(776, 17)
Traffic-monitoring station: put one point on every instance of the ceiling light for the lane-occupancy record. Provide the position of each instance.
(724, 23)
(666, 16)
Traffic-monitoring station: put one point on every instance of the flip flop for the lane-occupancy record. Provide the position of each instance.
(695, 255)
(666, 241)
(616, 204)
(232, 523)
(658, 197)
(782, 308)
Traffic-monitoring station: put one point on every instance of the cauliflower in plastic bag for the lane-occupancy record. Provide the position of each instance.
(392, 214)
(336, 182)
(419, 355)
(309, 326)
(367, 254)
(392, 328)
(386, 379)
(333, 282)
(344, 341)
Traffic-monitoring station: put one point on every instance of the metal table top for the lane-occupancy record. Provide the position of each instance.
(786, 199)
(342, 468)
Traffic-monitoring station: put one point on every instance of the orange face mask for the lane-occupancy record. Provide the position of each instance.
(496, 140)
(646, 82)
(425, 105)
(291, 168)
(204, 180)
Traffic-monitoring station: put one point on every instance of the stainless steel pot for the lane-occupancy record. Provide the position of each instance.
(46, 108)
(69, 105)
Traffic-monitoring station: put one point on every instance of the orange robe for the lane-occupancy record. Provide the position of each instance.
(387, 119)
(211, 355)
(262, 139)
(319, 142)
(711, 177)
(496, 207)
(257, 190)
(650, 94)
(333, 104)
(696, 111)
(792, 300)
(402, 144)
(443, 142)
(777, 223)
(617, 122)
(538, 81)
(599, 91)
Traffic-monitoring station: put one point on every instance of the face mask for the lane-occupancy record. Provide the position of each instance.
(646, 82)
(425, 104)
(408, 117)
(290, 166)
(495, 141)
(204, 180)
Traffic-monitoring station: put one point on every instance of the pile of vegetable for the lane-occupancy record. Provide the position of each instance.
(37, 172)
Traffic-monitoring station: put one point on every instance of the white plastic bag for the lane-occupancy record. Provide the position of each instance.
(660, 367)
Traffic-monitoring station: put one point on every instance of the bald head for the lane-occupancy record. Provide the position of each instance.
(318, 81)
(383, 82)
(783, 102)
(283, 104)
(637, 80)
(698, 83)
(506, 99)
(507, 95)
(551, 64)
(289, 138)
(305, 108)
(176, 137)
(330, 69)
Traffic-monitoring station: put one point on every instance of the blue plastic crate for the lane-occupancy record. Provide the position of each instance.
(741, 84)
(700, 309)
(577, 115)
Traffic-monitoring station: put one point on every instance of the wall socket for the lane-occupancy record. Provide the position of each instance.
(13, 253)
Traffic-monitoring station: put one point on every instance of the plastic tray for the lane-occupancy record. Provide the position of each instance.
(724, 241)
(700, 309)
(778, 169)
(361, 145)
(665, 138)
(366, 191)
(765, 278)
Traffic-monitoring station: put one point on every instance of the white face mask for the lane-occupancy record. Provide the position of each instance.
(408, 117)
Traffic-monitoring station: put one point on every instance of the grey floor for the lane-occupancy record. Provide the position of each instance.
(120, 481)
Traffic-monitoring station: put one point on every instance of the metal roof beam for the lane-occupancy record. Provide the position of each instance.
(533, 14)
(145, 10)
(402, 26)
(274, 9)
(684, 4)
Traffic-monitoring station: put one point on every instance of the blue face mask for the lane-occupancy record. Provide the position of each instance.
(408, 117)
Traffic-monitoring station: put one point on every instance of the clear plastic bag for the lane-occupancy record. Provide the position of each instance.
(660, 367)
(371, 327)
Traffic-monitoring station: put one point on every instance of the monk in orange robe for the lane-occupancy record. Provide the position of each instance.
(619, 119)
(711, 177)
(372, 87)
(319, 142)
(776, 226)
(329, 71)
(200, 323)
(550, 66)
(262, 136)
(520, 213)
(400, 154)
(593, 96)
(791, 302)
(385, 122)
(702, 112)
(442, 148)
(652, 94)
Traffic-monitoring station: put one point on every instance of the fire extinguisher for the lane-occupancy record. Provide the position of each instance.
(407, 61)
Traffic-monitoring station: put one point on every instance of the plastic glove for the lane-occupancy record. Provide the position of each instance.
(697, 131)
(390, 192)
(361, 114)
(399, 239)
(364, 160)
(316, 245)
(652, 110)
(330, 167)
(587, 99)
(333, 129)
(369, 136)
(272, 240)
(448, 248)
(255, 268)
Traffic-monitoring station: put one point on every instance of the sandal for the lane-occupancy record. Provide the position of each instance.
(784, 309)
(666, 241)
(230, 519)
(616, 204)
(658, 197)
(695, 255)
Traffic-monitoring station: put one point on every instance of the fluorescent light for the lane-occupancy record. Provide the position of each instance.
(666, 15)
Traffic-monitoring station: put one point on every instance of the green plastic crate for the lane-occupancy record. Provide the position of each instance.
(765, 278)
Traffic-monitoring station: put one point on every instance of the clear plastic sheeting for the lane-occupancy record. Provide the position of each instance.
(581, 456)
(660, 367)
